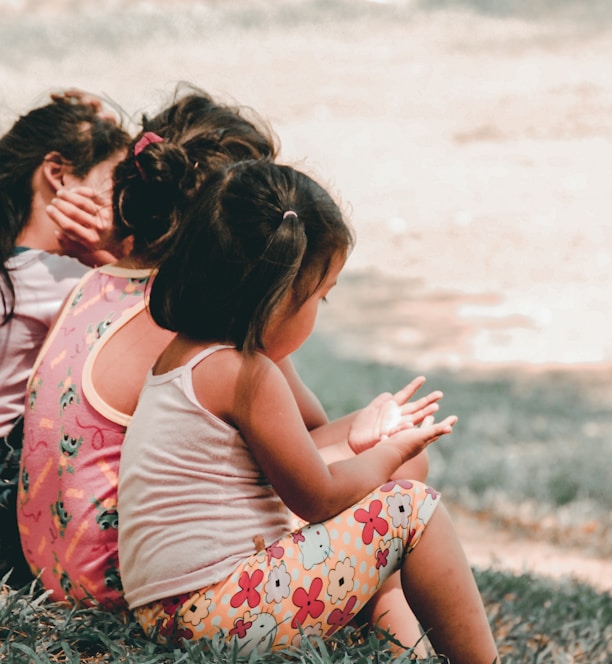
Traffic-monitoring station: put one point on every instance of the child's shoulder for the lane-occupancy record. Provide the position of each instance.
(232, 369)
(220, 359)
(227, 382)
(233, 361)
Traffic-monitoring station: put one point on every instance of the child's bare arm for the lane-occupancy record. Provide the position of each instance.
(313, 413)
(268, 417)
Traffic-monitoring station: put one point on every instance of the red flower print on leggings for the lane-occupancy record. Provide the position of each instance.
(241, 628)
(309, 602)
(382, 558)
(372, 521)
(339, 618)
(249, 592)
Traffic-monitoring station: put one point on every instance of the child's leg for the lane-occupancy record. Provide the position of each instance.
(388, 607)
(389, 610)
(314, 580)
(441, 589)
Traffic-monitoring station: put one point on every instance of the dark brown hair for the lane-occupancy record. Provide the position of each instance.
(256, 232)
(199, 136)
(78, 133)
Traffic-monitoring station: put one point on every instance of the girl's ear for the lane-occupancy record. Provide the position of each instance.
(53, 169)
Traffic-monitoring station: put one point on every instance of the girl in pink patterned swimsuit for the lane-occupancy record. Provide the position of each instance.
(217, 453)
(86, 380)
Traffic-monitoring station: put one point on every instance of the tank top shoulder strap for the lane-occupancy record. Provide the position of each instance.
(203, 354)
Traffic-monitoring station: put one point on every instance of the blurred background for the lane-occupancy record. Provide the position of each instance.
(470, 143)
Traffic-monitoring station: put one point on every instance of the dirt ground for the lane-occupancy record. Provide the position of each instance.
(472, 151)
(489, 547)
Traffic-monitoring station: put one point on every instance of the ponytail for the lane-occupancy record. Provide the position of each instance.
(257, 233)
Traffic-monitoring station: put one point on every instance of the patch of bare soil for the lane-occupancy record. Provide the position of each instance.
(508, 549)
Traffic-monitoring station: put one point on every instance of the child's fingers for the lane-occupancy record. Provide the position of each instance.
(86, 234)
(428, 421)
(412, 407)
(419, 416)
(443, 427)
(76, 96)
(416, 419)
(80, 208)
(432, 430)
(413, 441)
(428, 428)
(74, 231)
(407, 392)
(75, 214)
(83, 201)
(98, 198)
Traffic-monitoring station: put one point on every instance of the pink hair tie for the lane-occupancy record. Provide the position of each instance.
(145, 140)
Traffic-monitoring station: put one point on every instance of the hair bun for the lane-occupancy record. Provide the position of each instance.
(163, 163)
(150, 189)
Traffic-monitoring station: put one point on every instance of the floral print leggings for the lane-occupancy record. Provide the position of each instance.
(311, 582)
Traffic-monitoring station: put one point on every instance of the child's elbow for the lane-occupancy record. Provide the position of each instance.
(314, 510)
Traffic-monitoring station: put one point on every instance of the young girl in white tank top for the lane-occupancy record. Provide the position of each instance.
(217, 454)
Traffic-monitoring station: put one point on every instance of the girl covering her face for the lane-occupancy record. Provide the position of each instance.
(69, 144)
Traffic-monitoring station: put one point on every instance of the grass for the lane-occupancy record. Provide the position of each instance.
(534, 620)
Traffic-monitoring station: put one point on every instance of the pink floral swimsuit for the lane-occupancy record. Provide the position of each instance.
(67, 505)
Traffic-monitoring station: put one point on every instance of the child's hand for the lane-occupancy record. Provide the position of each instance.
(85, 224)
(390, 413)
(412, 442)
(76, 96)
